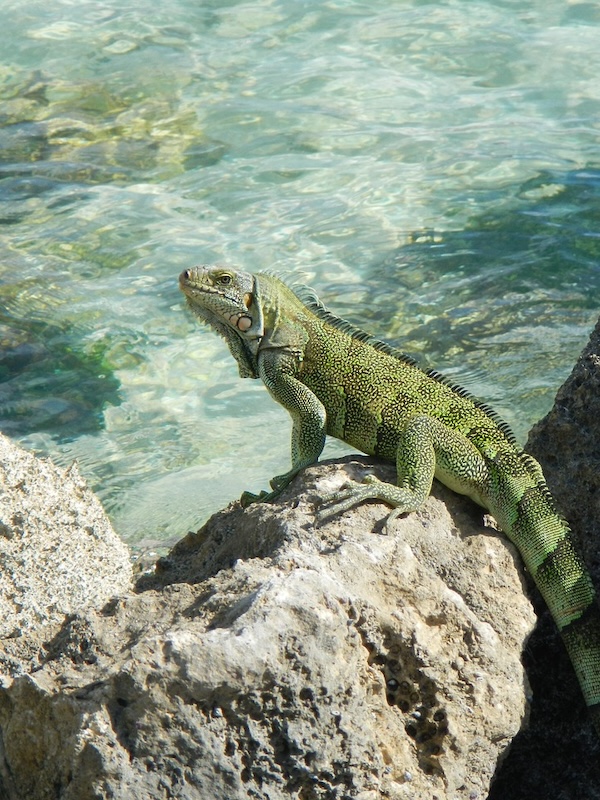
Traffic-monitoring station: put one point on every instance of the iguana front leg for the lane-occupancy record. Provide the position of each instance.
(308, 420)
(427, 449)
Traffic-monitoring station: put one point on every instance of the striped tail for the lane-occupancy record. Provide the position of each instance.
(546, 545)
(582, 640)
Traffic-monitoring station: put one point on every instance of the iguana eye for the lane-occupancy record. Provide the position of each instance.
(225, 279)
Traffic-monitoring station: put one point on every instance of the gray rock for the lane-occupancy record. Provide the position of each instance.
(269, 659)
(58, 552)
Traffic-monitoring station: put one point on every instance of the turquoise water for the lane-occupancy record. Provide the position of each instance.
(431, 169)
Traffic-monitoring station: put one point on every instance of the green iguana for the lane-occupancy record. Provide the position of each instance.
(334, 379)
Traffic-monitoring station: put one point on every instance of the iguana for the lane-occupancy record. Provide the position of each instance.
(335, 379)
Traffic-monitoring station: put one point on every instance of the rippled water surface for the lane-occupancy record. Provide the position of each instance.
(432, 169)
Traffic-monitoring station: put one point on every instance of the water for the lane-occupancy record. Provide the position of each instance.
(431, 168)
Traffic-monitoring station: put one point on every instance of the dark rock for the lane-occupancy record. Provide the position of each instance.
(558, 755)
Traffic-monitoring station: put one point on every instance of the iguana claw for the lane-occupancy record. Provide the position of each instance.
(248, 498)
(348, 496)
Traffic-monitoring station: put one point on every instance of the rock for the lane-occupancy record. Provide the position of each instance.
(269, 659)
(567, 442)
(58, 552)
(558, 755)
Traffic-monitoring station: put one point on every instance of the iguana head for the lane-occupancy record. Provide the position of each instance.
(228, 301)
(227, 294)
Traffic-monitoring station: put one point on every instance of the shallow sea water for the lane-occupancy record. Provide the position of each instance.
(432, 169)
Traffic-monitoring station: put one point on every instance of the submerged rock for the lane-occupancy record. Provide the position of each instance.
(267, 658)
(49, 380)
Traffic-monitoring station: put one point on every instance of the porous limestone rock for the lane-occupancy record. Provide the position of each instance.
(267, 658)
(58, 552)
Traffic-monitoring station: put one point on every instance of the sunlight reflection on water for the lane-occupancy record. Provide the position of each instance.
(431, 169)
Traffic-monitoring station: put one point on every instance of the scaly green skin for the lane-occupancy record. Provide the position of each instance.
(336, 380)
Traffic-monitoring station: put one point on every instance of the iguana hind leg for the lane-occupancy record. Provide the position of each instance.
(427, 449)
